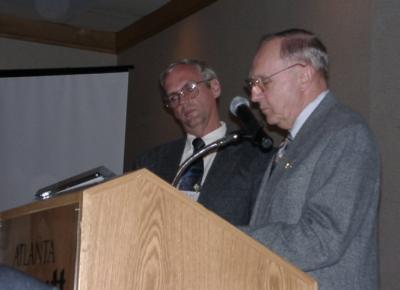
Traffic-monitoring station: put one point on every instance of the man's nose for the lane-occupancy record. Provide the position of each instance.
(255, 94)
(184, 99)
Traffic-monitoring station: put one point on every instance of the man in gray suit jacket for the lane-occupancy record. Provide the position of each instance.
(232, 175)
(317, 205)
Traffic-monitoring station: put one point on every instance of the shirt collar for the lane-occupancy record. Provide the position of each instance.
(210, 137)
(305, 114)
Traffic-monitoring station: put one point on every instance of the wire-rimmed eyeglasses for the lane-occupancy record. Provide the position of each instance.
(262, 82)
(190, 90)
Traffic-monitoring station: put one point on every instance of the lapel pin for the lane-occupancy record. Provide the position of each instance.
(288, 165)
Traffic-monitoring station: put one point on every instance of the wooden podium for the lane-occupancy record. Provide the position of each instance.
(138, 232)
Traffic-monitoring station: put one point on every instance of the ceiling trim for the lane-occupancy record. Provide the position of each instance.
(164, 17)
(101, 41)
(57, 34)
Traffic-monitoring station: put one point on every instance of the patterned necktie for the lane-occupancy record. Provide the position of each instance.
(281, 150)
(191, 178)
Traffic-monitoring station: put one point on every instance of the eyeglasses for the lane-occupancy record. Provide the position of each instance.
(190, 90)
(262, 82)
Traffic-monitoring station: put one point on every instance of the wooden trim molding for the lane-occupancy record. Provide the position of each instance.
(161, 19)
(57, 34)
(101, 41)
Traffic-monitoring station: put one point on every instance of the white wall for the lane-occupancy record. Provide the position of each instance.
(17, 54)
(385, 119)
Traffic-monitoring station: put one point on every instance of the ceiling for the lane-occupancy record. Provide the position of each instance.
(100, 25)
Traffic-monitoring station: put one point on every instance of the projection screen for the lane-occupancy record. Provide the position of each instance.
(57, 123)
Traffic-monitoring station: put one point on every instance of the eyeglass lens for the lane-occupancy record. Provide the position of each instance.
(190, 91)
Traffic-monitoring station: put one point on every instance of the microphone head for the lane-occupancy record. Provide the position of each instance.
(237, 102)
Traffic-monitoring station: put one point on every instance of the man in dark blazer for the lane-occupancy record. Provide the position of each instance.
(318, 201)
(231, 175)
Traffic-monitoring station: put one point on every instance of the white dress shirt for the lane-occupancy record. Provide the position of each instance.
(302, 118)
(208, 159)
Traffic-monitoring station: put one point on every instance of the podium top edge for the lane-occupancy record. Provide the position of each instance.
(41, 205)
(64, 199)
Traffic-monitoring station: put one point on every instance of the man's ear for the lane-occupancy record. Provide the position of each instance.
(215, 87)
(308, 73)
(307, 76)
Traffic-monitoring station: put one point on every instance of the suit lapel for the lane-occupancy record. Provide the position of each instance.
(307, 131)
(262, 197)
(268, 188)
(217, 171)
(172, 159)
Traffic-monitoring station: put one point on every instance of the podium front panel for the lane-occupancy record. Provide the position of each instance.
(42, 244)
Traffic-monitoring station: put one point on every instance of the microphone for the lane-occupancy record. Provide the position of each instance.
(240, 107)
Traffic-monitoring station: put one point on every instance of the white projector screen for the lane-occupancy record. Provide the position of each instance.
(56, 125)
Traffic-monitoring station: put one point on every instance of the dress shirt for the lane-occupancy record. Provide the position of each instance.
(208, 139)
(208, 159)
(302, 118)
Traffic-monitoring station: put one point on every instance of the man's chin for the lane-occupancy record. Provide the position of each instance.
(190, 115)
(192, 124)
(192, 119)
(271, 121)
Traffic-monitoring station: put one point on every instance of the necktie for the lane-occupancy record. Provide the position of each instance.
(281, 150)
(191, 178)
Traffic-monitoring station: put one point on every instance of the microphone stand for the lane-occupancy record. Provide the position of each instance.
(233, 137)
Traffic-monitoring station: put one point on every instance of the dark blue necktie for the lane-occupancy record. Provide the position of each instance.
(191, 178)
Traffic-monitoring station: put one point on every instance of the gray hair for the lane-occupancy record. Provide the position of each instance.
(207, 72)
(302, 45)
